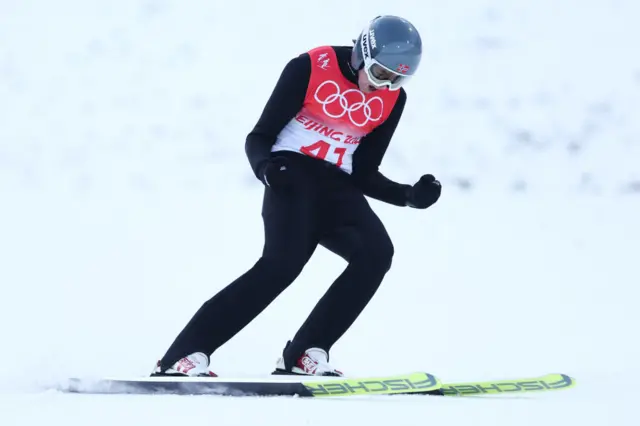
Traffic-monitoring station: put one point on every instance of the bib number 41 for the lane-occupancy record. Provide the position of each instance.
(321, 149)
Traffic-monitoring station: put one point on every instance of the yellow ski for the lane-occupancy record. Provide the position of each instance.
(414, 383)
(549, 382)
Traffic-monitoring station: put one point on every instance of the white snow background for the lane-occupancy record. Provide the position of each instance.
(126, 201)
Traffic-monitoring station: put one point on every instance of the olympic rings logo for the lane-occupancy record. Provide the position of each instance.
(346, 108)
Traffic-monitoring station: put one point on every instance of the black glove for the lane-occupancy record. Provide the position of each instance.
(276, 173)
(424, 193)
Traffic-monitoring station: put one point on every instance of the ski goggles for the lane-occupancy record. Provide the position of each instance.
(381, 76)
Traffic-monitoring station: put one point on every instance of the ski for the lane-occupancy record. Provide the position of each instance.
(550, 382)
(414, 383)
(418, 383)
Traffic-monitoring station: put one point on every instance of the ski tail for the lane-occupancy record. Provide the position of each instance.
(549, 382)
(415, 383)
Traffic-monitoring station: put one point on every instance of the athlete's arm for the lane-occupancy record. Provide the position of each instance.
(368, 156)
(284, 103)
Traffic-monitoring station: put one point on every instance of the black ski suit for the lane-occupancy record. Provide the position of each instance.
(313, 203)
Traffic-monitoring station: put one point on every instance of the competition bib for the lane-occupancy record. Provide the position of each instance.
(335, 116)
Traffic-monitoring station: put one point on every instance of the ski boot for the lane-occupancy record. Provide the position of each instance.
(312, 362)
(194, 365)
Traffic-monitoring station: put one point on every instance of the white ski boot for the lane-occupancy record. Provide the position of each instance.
(313, 362)
(194, 365)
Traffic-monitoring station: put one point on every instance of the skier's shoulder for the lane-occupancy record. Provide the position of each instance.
(342, 52)
(402, 96)
(299, 64)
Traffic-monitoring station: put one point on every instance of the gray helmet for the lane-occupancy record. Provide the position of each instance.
(389, 49)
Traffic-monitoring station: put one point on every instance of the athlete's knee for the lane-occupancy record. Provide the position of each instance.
(382, 253)
(377, 252)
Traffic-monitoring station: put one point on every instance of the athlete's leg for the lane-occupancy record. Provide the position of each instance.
(362, 240)
(290, 239)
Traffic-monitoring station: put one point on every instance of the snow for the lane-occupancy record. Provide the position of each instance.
(126, 201)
